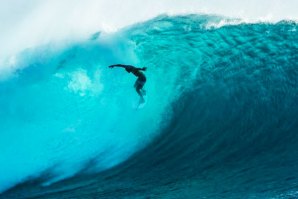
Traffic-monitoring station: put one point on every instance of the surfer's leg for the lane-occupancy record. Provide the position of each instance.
(139, 91)
(141, 95)
(141, 84)
(143, 92)
(138, 86)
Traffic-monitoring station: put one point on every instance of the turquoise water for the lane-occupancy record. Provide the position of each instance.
(220, 121)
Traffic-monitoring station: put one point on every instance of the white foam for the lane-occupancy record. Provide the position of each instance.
(81, 83)
(28, 23)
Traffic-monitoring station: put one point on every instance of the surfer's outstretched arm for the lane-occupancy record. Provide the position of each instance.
(118, 65)
(125, 66)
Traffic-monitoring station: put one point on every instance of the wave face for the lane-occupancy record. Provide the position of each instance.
(221, 118)
(63, 107)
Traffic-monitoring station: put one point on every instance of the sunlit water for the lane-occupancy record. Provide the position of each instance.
(220, 121)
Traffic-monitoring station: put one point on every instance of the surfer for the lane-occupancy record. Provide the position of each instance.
(139, 74)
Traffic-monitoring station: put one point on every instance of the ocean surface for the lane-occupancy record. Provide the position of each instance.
(220, 120)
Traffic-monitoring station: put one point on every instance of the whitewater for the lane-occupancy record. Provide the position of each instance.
(221, 117)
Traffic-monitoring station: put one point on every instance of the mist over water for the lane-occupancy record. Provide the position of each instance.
(30, 23)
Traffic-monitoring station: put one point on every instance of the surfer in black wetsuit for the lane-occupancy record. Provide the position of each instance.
(139, 74)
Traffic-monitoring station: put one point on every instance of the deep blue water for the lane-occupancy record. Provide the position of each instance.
(220, 121)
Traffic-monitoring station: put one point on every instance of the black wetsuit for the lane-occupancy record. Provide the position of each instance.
(141, 77)
(139, 84)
